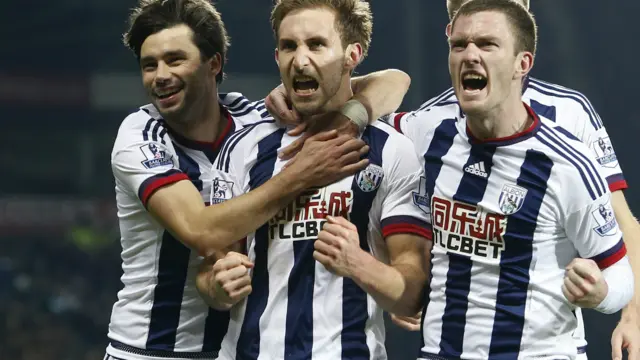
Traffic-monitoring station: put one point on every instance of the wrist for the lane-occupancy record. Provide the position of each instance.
(358, 267)
(357, 113)
(630, 312)
(292, 180)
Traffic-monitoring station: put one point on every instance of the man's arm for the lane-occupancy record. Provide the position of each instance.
(397, 287)
(223, 280)
(147, 167)
(180, 209)
(602, 279)
(631, 230)
(381, 92)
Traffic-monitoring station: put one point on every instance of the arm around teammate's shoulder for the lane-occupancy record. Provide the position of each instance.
(324, 159)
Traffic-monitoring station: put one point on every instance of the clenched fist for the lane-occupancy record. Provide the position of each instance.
(228, 281)
(584, 285)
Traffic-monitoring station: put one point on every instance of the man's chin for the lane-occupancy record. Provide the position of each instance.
(308, 108)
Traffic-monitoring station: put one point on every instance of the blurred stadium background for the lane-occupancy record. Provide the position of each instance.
(66, 83)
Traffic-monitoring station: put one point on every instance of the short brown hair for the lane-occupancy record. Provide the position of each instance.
(454, 5)
(152, 16)
(522, 22)
(354, 20)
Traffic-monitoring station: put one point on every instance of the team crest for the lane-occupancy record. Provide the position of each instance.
(155, 157)
(603, 150)
(511, 198)
(605, 219)
(370, 178)
(421, 197)
(220, 191)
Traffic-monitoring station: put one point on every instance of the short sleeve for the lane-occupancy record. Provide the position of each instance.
(595, 234)
(401, 186)
(246, 112)
(600, 145)
(143, 158)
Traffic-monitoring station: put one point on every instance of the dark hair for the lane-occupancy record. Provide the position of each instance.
(454, 5)
(354, 20)
(152, 16)
(522, 22)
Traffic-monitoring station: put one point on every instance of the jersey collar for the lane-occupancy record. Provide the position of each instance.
(512, 139)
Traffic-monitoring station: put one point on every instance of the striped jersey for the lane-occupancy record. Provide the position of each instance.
(159, 313)
(508, 215)
(568, 109)
(298, 309)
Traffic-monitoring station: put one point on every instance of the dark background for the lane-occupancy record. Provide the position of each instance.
(66, 82)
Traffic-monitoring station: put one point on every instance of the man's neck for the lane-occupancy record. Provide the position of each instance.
(207, 128)
(508, 119)
(328, 119)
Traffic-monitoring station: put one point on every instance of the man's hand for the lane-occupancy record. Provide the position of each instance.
(326, 158)
(279, 107)
(336, 121)
(338, 246)
(228, 282)
(584, 285)
(410, 323)
(626, 336)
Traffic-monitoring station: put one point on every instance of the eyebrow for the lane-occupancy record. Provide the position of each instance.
(467, 39)
(166, 54)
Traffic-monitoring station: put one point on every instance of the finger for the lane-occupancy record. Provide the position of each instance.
(573, 289)
(280, 108)
(409, 319)
(633, 353)
(290, 162)
(293, 148)
(230, 275)
(353, 168)
(403, 322)
(322, 258)
(241, 258)
(579, 281)
(325, 248)
(364, 150)
(226, 263)
(568, 294)
(587, 269)
(296, 115)
(335, 233)
(350, 158)
(324, 136)
(350, 144)
(299, 129)
(616, 346)
(339, 220)
(241, 293)
(238, 255)
(236, 285)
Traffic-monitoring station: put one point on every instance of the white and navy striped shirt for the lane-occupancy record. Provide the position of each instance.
(568, 109)
(298, 309)
(508, 215)
(159, 313)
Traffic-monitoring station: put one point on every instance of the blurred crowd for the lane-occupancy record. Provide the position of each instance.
(56, 296)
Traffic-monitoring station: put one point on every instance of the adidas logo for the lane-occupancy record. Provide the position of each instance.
(477, 169)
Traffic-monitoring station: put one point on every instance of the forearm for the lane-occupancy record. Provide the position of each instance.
(619, 278)
(631, 230)
(397, 289)
(381, 92)
(224, 224)
(631, 235)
